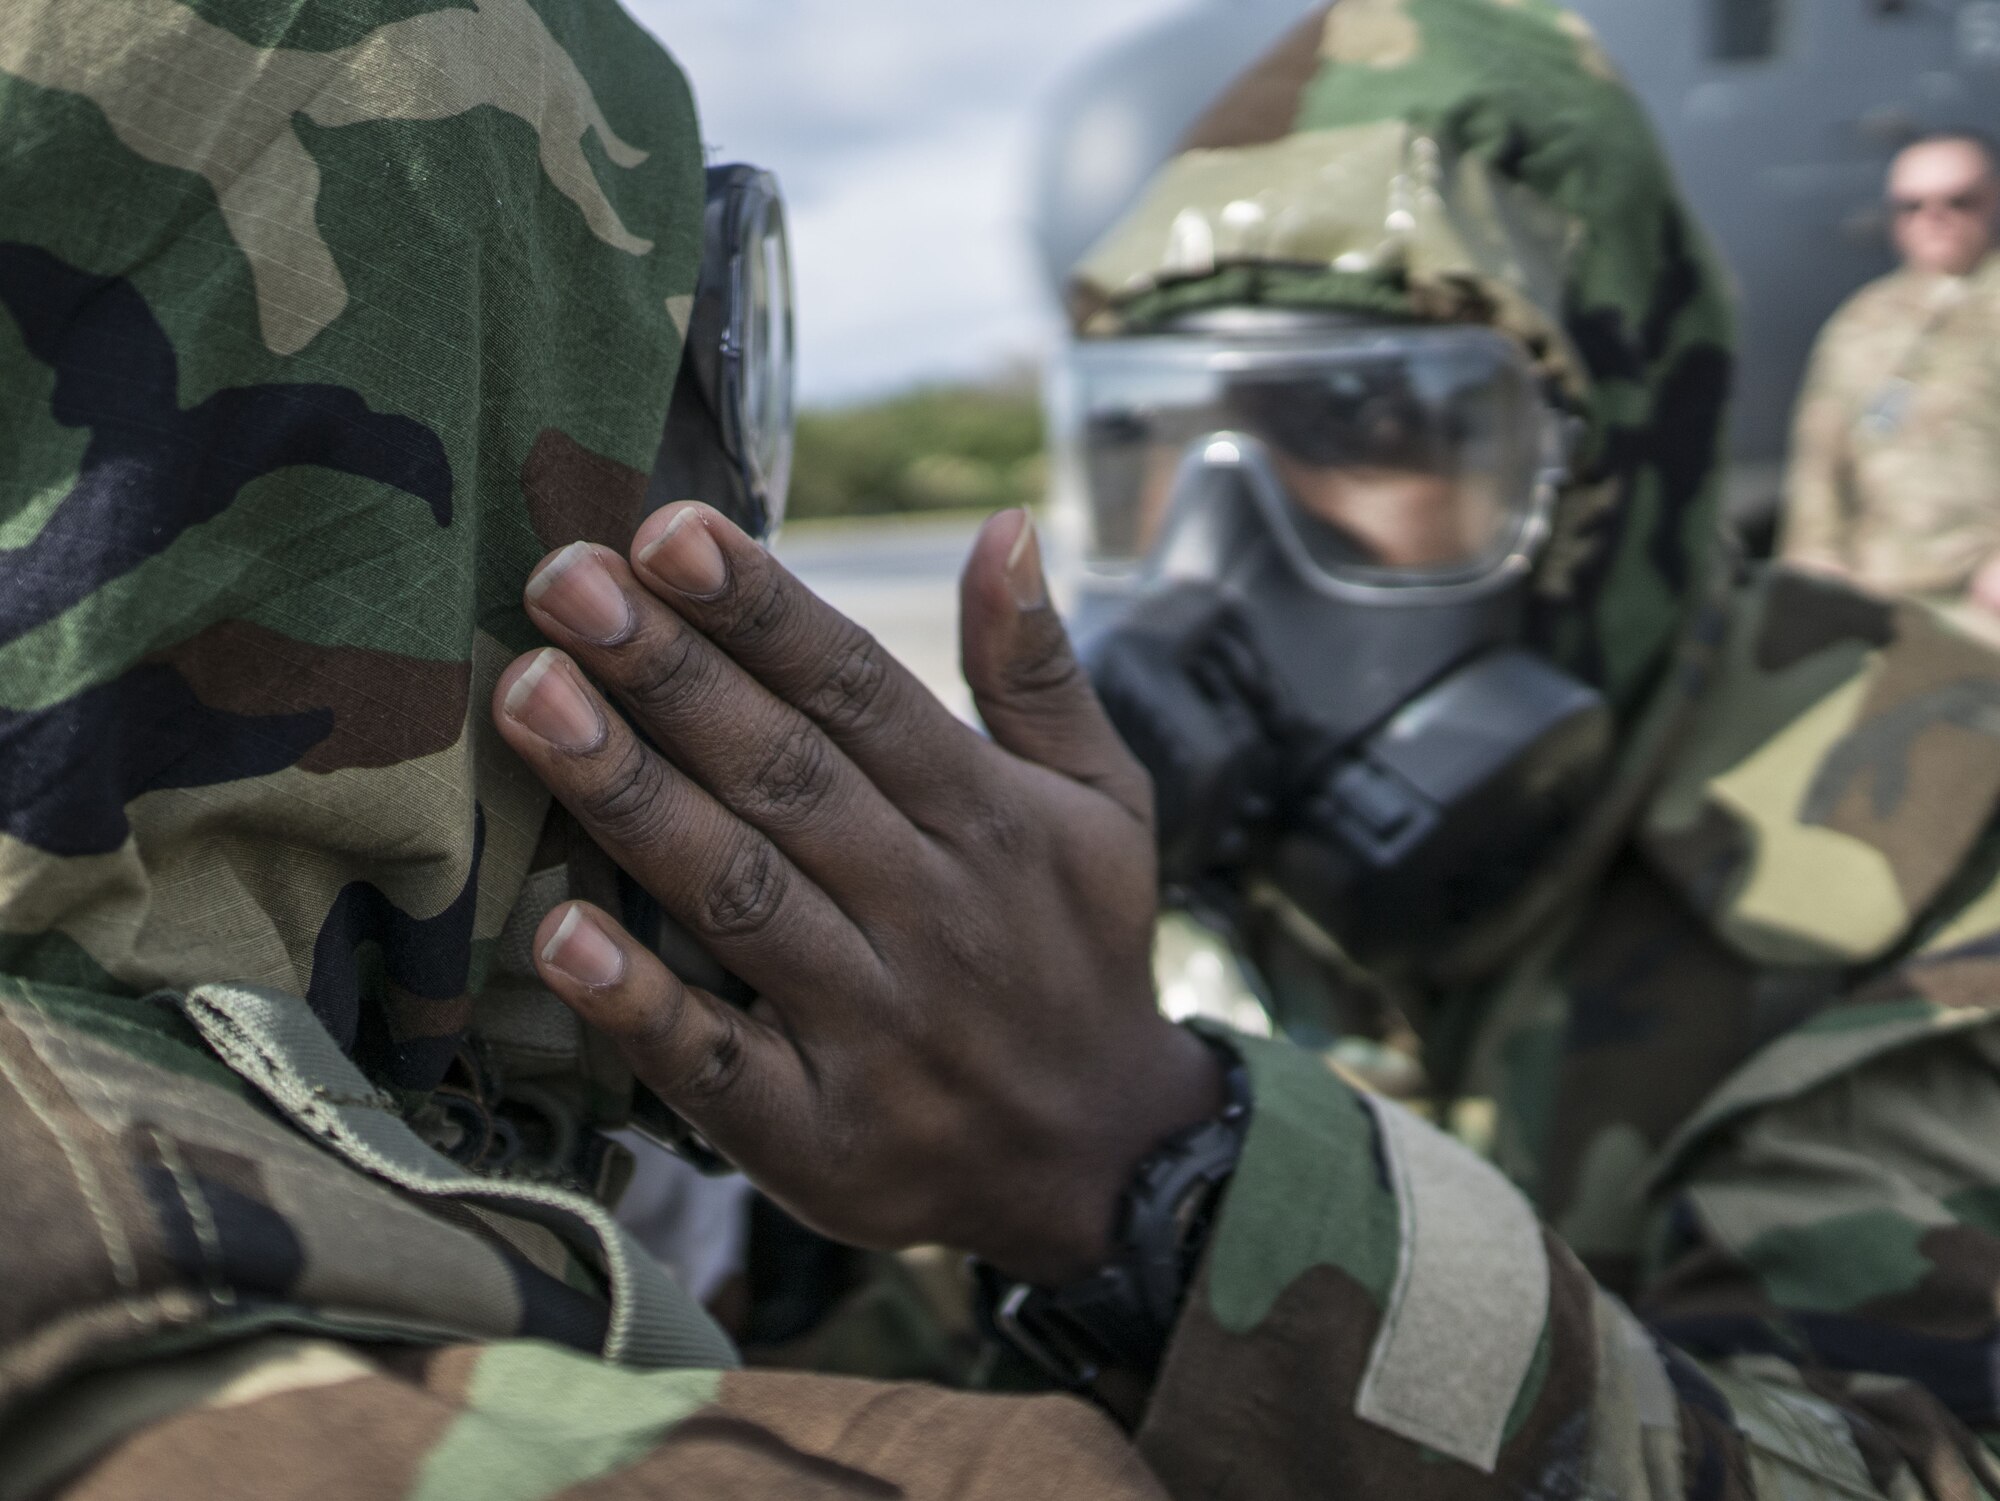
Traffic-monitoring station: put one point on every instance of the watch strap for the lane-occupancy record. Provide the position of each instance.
(1122, 1315)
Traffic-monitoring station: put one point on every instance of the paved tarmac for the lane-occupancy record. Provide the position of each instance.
(899, 579)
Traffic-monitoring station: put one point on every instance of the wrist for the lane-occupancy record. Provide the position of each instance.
(1073, 1229)
(1114, 1318)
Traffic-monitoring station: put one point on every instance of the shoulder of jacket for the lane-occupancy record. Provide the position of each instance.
(1887, 297)
(1838, 772)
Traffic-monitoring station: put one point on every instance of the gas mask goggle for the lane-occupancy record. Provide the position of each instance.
(729, 430)
(1306, 547)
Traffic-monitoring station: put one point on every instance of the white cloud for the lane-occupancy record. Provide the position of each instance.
(902, 131)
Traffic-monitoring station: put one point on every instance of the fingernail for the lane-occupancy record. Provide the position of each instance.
(686, 558)
(581, 950)
(546, 701)
(578, 590)
(1024, 569)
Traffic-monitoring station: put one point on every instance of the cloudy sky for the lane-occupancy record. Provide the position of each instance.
(902, 131)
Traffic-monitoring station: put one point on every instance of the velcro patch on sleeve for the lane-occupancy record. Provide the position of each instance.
(1469, 1303)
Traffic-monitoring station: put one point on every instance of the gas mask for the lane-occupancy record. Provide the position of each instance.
(1306, 548)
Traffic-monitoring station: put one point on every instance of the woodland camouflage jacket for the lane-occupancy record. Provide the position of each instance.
(322, 322)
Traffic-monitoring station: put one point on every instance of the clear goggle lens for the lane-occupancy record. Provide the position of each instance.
(761, 331)
(734, 406)
(1406, 457)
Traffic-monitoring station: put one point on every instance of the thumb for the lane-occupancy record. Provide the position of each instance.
(1029, 688)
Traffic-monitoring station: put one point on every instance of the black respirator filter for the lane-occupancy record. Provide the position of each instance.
(1186, 688)
(1435, 819)
(1395, 769)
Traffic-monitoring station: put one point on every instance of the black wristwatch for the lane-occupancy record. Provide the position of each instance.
(1120, 1317)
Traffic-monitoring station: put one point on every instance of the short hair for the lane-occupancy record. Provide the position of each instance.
(1960, 135)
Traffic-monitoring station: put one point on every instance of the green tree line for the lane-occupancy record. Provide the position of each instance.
(940, 447)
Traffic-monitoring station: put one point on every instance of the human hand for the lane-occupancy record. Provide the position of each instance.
(1985, 591)
(955, 1038)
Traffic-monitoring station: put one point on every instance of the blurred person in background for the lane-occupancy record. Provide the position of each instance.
(1895, 468)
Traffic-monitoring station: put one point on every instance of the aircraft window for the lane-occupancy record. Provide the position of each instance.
(1744, 31)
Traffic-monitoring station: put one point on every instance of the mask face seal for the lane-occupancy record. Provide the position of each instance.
(1318, 659)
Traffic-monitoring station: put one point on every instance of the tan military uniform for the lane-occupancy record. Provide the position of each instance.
(1895, 474)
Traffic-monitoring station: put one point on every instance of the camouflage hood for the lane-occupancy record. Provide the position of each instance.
(319, 324)
(1478, 161)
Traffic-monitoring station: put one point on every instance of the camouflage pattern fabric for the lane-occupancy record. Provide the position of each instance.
(1743, 1086)
(323, 323)
(319, 325)
(287, 1419)
(246, 272)
(1895, 468)
(1739, 1242)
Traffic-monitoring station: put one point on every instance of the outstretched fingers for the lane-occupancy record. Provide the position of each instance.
(748, 904)
(808, 654)
(736, 1079)
(758, 756)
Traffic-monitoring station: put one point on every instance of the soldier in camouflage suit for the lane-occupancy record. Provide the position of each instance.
(1736, 1043)
(324, 323)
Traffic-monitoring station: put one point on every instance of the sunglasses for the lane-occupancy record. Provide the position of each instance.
(1971, 203)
